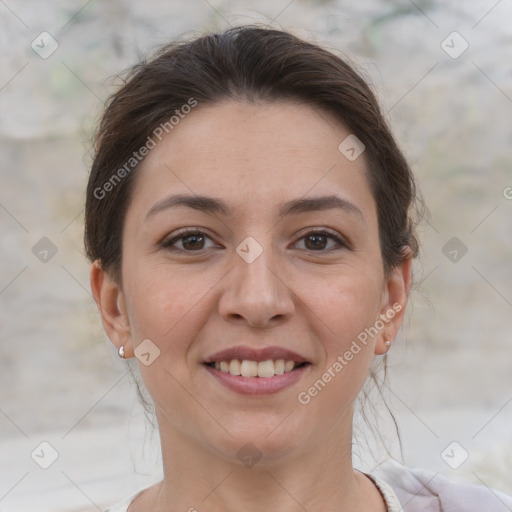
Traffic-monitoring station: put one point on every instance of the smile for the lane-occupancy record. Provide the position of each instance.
(262, 369)
(256, 384)
(256, 371)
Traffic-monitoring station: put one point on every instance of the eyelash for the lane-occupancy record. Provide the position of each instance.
(186, 232)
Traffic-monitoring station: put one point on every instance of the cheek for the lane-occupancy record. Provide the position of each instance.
(151, 304)
(347, 303)
(164, 307)
(163, 302)
(347, 307)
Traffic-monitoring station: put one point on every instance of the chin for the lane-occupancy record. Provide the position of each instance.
(266, 445)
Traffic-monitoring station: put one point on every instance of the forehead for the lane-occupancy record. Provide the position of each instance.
(253, 153)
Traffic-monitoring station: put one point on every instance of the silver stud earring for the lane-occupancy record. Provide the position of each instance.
(121, 352)
(387, 343)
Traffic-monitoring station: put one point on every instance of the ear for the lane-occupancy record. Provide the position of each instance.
(395, 295)
(111, 304)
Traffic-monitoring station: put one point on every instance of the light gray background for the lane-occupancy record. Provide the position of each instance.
(451, 377)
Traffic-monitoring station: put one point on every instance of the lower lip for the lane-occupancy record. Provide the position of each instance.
(258, 385)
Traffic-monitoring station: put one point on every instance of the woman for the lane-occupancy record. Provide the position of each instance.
(248, 223)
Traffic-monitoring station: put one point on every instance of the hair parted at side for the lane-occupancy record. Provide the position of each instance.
(247, 63)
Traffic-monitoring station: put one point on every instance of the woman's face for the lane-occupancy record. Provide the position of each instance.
(282, 262)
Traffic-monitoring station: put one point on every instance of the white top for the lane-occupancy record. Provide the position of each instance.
(418, 490)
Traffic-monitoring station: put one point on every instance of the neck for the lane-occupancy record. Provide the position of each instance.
(319, 478)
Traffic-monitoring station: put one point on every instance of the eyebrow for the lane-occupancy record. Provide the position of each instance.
(218, 206)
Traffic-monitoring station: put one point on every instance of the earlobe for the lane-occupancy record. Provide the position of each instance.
(395, 297)
(111, 305)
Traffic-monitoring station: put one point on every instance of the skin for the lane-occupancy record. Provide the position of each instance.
(309, 300)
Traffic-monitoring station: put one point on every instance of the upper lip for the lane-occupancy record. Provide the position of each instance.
(252, 354)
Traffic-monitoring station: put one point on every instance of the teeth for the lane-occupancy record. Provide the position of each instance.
(234, 367)
(266, 368)
(248, 368)
(279, 367)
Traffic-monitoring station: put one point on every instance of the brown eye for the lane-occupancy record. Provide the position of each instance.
(316, 241)
(193, 242)
(188, 241)
(319, 241)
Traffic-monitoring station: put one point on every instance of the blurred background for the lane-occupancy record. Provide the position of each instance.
(73, 436)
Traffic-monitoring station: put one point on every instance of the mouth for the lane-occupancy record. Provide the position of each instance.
(262, 369)
(251, 371)
(250, 362)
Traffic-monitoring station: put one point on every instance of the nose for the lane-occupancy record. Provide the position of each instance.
(256, 293)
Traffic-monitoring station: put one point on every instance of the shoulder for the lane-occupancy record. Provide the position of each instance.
(428, 491)
(142, 494)
(123, 505)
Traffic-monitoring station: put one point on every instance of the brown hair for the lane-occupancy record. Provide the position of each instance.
(243, 63)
